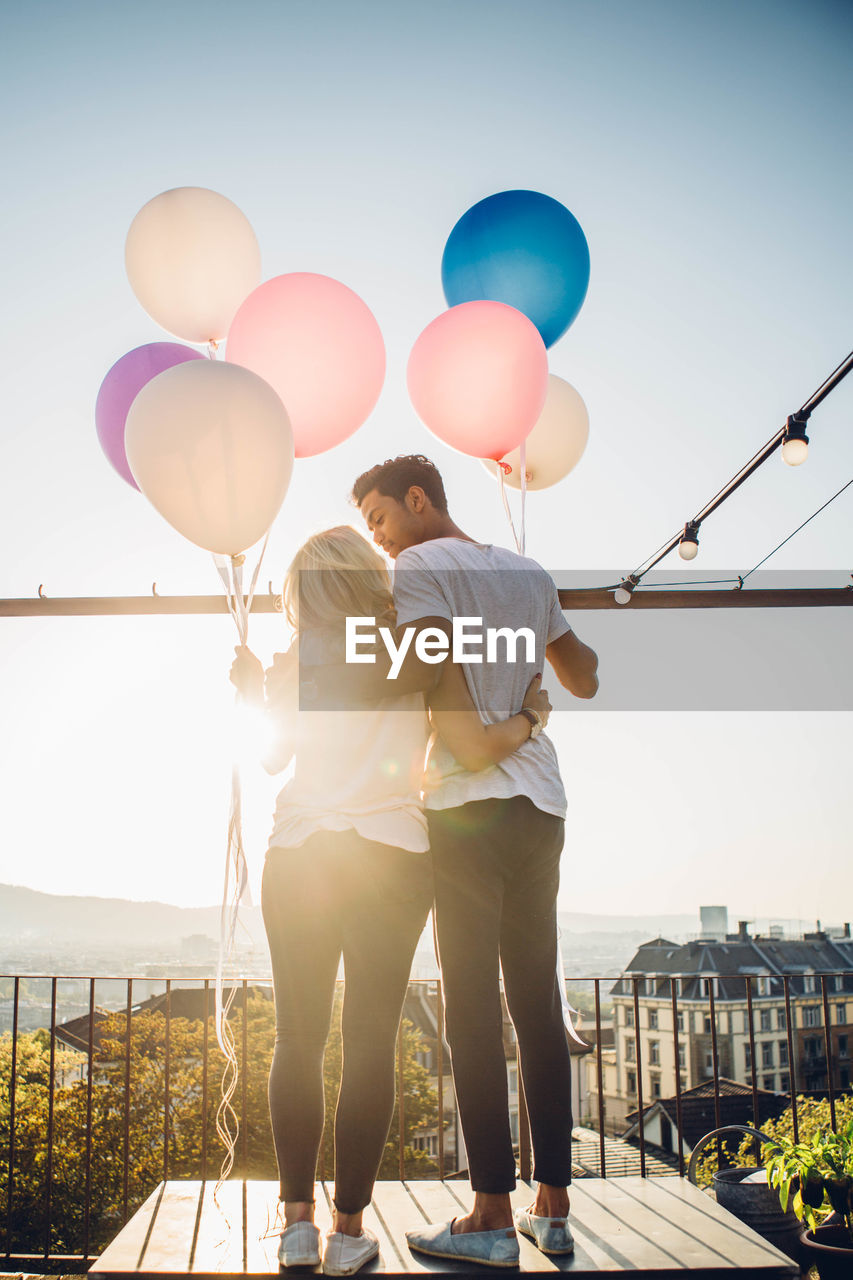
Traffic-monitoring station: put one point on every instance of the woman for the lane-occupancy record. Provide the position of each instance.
(346, 875)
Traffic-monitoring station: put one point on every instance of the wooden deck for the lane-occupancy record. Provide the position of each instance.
(648, 1226)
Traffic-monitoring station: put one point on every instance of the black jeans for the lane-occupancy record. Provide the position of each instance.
(339, 895)
(497, 869)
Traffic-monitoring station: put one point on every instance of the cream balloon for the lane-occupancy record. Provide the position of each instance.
(210, 446)
(191, 258)
(556, 443)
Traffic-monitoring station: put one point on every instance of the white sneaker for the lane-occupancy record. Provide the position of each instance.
(344, 1255)
(300, 1245)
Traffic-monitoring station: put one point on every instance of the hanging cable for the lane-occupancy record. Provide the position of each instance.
(797, 530)
(775, 442)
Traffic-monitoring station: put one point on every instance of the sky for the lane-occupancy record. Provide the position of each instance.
(706, 152)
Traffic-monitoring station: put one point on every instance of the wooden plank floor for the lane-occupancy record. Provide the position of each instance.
(648, 1226)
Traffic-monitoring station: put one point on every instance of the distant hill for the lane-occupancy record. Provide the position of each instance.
(26, 914)
(660, 926)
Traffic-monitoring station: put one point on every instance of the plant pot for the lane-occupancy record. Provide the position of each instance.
(757, 1204)
(830, 1250)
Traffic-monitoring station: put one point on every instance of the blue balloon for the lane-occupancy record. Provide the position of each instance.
(522, 248)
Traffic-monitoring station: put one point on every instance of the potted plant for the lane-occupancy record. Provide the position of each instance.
(816, 1176)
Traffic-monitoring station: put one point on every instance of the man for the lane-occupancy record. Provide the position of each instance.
(496, 838)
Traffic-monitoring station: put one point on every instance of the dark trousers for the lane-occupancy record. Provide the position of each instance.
(339, 895)
(496, 866)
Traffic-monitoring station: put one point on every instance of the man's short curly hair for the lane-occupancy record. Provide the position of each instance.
(395, 476)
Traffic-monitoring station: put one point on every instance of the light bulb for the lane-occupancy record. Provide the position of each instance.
(622, 596)
(688, 547)
(795, 451)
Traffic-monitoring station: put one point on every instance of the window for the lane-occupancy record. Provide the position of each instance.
(748, 1055)
(768, 1084)
(843, 1050)
(513, 1126)
(707, 1025)
(631, 1082)
(767, 1054)
(512, 1078)
(809, 984)
(841, 1014)
(764, 1020)
(837, 983)
(785, 1082)
(653, 1019)
(629, 1017)
(654, 1053)
(783, 1053)
(649, 987)
(679, 1021)
(811, 1015)
(764, 985)
(630, 1051)
(656, 1088)
(811, 1045)
(781, 1020)
(682, 1060)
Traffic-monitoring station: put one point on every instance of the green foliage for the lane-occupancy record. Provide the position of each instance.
(164, 1125)
(815, 1173)
(813, 1117)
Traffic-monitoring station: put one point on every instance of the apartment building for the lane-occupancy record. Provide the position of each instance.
(800, 997)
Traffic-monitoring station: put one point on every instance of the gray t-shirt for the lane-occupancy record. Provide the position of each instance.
(450, 578)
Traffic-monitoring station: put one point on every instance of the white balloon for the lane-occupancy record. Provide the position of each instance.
(210, 446)
(556, 443)
(191, 258)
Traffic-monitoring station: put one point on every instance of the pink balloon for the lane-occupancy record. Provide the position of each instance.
(478, 376)
(318, 345)
(120, 388)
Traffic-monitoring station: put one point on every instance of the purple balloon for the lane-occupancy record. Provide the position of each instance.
(120, 388)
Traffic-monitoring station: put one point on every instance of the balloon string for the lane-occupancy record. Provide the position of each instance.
(523, 465)
(236, 887)
(503, 467)
(212, 349)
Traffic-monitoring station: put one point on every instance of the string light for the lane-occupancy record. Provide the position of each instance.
(623, 593)
(795, 442)
(688, 547)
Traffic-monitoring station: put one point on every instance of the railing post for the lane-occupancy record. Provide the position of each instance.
(439, 1042)
(827, 1040)
(599, 1070)
(676, 1051)
(792, 1065)
(639, 1057)
(90, 1067)
(51, 1079)
(13, 1082)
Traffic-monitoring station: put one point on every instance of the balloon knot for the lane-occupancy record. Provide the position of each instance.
(505, 467)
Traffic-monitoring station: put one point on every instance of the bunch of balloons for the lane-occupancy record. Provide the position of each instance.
(515, 273)
(211, 443)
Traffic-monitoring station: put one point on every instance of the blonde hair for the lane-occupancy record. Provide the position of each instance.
(336, 574)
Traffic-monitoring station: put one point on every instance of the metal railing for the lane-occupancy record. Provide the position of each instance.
(101, 1141)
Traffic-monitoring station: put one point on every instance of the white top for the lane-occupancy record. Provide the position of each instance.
(360, 770)
(447, 578)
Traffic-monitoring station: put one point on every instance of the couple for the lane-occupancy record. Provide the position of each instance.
(354, 864)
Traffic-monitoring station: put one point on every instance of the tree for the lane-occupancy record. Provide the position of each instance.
(163, 1125)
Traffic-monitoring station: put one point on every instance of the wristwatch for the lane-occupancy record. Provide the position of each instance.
(536, 725)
